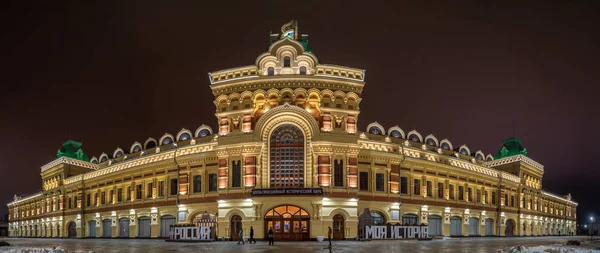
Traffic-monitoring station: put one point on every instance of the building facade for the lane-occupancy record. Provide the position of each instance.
(289, 123)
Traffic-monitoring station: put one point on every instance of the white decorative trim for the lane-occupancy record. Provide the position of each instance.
(557, 197)
(71, 161)
(26, 198)
(515, 158)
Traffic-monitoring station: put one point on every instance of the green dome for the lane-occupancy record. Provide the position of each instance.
(511, 147)
(72, 149)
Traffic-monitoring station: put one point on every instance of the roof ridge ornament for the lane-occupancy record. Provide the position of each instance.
(290, 30)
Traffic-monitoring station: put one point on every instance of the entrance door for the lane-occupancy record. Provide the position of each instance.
(510, 228)
(289, 223)
(72, 230)
(489, 227)
(165, 225)
(473, 226)
(435, 225)
(338, 227)
(455, 226)
(144, 227)
(236, 225)
(92, 228)
(124, 227)
(106, 228)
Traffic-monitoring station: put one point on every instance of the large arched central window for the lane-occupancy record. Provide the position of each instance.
(287, 157)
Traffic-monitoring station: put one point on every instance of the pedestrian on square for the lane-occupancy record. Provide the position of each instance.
(241, 234)
(270, 234)
(329, 235)
(251, 236)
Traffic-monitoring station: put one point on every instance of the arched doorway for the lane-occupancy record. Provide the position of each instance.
(473, 226)
(236, 225)
(510, 228)
(72, 230)
(489, 227)
(144, 227)
(124, 227)
(165, 225)
(92, 228)
(338, 227)
(435, 225)
(455, 226)
(290, 223)
(106, 228)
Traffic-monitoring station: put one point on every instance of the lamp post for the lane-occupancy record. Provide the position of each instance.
(591, 228)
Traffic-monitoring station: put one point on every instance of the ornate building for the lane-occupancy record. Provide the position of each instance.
(288, 122)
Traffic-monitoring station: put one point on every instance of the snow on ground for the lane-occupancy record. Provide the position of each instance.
(12, 249)
(556, 248)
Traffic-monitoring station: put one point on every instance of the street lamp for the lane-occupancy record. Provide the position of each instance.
(591, 228)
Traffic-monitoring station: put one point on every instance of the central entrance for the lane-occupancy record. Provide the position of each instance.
(289, 223)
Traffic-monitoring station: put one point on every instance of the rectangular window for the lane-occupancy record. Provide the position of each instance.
(128, 193)
(364, 181)
(75, 202)
(70, 203)
(338, 173)
(461, 192)
(96, 199)
(451, 191)
(379, 182)
(103, 198)
(149, 191)
(506, 199)
(212, 182)
(120, 195)
(470, 194)
(478, 196)
(110, 196)
(236, 174)
(404, 185)
(440, 190)
(197, 183)
(512, 201)
(429, 189)
(417, 188)
(493, 198)
(161, 188)
(174, 187)
(138, 192)
(88, 201)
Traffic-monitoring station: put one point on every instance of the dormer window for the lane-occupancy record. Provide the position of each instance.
(302, 70)
(286, 62)
(271, 71)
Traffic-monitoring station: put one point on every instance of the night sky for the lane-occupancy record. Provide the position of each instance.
(109, 74)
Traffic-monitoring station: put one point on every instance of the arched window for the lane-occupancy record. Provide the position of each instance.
(119, 154)
(286, 62)
(464, 151)
(396, 134)
(103, 159)
(414, 137)
(446, 146)
(204, 133)
(431, 142)
(151, 144)
(302, 70)
(489, 159)
(378, 218)
(287, 157)
(166, 141)
(137, 148)
(375, 130)
(184, 137)
(479, 157)
(271, 71)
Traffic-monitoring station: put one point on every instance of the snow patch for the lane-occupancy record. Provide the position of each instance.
(556, 248)
(37, 250)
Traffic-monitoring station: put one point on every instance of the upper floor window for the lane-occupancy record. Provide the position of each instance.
(286, 62)
(271, 71)
(440, 190)
(417, 187)
(302, 70)
(286, 157)
(212, 182)
(429, 189)
(197, 183)
(461, 193)
(236, 180)
(174, 186)
(451, 191)
(404, 185)
(379, 182)
(338, 171)
(363, 181)
(375, 130)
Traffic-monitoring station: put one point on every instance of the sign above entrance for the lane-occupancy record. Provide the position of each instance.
(287, 191)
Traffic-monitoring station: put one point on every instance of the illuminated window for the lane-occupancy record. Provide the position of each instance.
(286, 61)
(302, 70)
(287, 157)
(378, 218)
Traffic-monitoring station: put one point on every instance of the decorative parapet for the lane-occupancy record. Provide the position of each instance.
(233, 74)
(510, 177)
(141, 161)
(515, 158)
(475, 167)
(19, 200)
(70, 161)
(559, 198)
(340, 72)
(371, 145)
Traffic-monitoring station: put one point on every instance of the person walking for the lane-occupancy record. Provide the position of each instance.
(270, 234)
(251, 236)
(329, 235)
(241, 235)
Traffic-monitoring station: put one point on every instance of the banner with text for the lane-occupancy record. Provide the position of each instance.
(395, 232)
(287, 191)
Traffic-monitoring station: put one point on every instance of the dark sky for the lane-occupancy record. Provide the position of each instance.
(115, 73)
